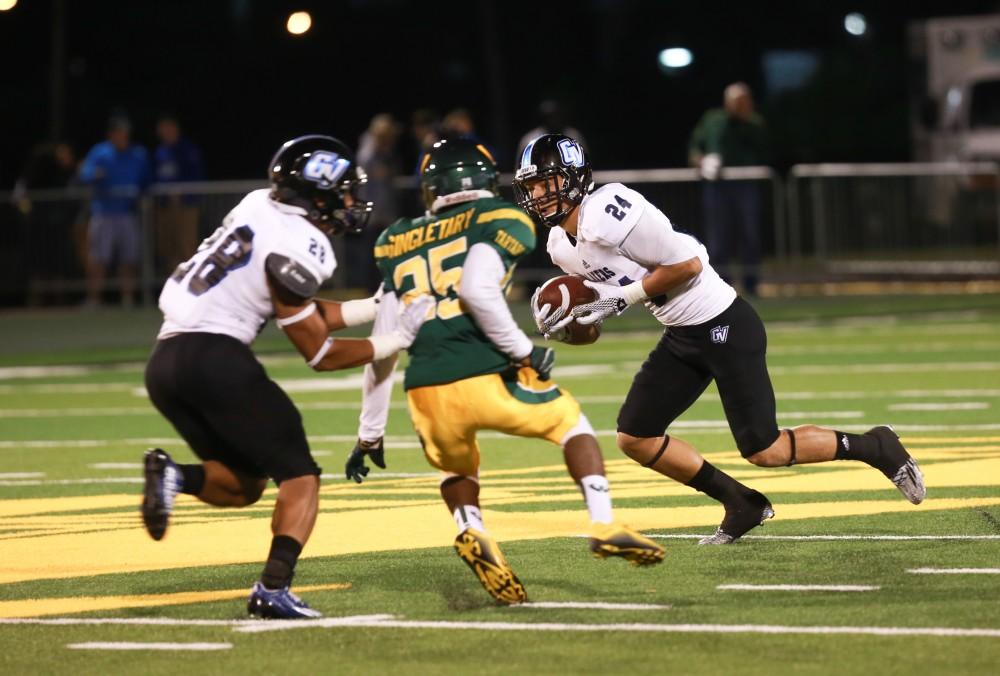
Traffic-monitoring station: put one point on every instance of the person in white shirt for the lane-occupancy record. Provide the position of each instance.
(268, 259)
(630, 253)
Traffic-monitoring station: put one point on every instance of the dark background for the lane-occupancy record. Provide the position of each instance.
(242, 85)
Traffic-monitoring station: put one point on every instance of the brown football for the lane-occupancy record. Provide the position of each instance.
(568, 291)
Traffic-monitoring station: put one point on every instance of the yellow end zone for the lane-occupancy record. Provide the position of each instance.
(50, 538)
(86, 604)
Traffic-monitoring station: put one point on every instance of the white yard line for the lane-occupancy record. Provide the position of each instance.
(701, 425)
(939, 406)
(67, 388)
(799, 587)
(624, 627)
(12, 372)
(831, 538)
(593, 605)
(21, 475)
(306, 385)
(73, 482)
(954, 571)
(923, 367)
(388, 621)
(121, 645)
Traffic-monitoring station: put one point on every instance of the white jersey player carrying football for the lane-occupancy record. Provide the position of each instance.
(630, 253)
(267, 260)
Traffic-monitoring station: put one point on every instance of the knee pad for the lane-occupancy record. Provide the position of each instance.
(582, 426)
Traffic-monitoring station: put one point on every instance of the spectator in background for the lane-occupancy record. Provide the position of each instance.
(49, 219)
(458, 124)
(176, 160)
(118, 172)
(378, 156)
(731, 136)
(553, 121)
(425, 131)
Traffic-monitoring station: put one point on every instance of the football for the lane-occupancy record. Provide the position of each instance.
(567, 292)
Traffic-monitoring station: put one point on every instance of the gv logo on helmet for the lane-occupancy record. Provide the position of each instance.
(325, 169)
(571, 152)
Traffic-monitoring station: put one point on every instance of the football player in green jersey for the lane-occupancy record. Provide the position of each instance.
(471, 367)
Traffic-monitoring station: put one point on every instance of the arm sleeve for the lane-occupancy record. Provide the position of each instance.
(653, 241)
(376, 387)
(482, 295)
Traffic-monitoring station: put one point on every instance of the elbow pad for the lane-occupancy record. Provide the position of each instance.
(293, 282)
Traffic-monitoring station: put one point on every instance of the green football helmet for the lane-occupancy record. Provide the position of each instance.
(456, 170)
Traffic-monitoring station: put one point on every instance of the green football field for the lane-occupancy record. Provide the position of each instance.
(849, 578)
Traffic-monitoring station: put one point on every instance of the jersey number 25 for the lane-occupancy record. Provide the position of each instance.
(430, 274)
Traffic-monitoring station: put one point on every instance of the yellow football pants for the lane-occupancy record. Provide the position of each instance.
(448, 416)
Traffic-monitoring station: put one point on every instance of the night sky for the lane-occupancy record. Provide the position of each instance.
(241, 84)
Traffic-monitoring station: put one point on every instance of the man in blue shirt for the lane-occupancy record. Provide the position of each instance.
(176, 160)
(118, 172)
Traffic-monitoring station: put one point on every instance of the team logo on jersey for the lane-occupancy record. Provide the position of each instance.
(571, 152)
(325, 169)
(720, 334)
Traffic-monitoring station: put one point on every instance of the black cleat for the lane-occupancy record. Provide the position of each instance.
(898, 465)
(741, 518)
(163, 482)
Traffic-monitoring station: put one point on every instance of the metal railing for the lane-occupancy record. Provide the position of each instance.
(896, 212)
(823, 219)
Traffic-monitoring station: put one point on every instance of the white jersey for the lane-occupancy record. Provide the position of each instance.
(621, 237)
(223, 287)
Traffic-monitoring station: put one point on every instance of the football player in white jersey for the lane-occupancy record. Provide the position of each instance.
(630, 253)
(268, 259)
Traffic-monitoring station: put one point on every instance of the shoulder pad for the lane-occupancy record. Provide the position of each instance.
(609, 214)
(291, 276)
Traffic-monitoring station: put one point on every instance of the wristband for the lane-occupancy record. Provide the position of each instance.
(633, 293)
(324, 348)
(386, 345)
(357, 312)
(282, 322)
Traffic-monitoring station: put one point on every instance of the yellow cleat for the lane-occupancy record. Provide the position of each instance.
(487, 562)
(612, 540)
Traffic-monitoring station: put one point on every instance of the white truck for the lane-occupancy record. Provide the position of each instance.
(955, 88)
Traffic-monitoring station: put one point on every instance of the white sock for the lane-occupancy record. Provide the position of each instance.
(469, 516)
(597, 495)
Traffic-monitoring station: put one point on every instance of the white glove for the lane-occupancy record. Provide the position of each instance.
(407, 323)
(412, 317)
(551, 322)
(611, 299)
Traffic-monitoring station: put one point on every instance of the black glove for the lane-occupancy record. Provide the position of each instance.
(355, 467)
(542, 360)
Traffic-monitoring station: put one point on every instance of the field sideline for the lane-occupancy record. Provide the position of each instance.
(848, 578)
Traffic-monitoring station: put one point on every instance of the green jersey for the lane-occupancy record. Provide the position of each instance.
(426, 255)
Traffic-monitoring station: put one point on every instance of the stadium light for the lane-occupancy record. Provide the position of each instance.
(856, 24)
(675, 57)
(7, 4)
(298, 22)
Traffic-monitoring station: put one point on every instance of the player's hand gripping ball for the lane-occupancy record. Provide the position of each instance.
(552, 305)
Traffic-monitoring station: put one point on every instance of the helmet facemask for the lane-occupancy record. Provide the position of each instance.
(562, 187)
(339, 218)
